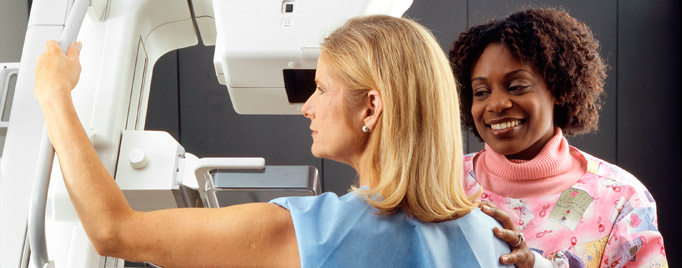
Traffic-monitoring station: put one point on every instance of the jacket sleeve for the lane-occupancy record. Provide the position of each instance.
(635, 240)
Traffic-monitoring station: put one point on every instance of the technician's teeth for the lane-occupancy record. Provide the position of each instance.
(504, 125)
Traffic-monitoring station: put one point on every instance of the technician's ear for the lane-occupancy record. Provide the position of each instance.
(375, 106)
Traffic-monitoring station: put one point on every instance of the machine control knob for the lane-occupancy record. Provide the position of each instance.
(137, 158)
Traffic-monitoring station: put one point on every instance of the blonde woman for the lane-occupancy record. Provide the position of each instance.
(385, 103)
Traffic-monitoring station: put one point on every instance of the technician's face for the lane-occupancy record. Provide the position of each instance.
(512, 107)
(333, 137)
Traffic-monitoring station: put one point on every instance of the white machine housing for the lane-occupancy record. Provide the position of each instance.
(250, 60)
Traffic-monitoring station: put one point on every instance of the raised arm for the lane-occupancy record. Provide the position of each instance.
(246, 235)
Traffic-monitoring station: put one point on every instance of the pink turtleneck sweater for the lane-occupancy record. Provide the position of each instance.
(556, 168)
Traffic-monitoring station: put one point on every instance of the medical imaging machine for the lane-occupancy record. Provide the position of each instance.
(265, 53)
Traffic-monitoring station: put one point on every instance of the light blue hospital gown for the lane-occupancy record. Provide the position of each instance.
(344, 231)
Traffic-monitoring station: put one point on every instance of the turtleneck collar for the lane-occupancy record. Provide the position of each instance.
(556, 168)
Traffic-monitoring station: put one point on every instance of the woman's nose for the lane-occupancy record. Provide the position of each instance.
(498, 102)
(307, 108)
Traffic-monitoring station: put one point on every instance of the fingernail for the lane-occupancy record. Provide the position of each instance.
(504, 259)
(485, 208)
(80, 45)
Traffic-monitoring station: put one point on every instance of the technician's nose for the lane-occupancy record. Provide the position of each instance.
(497, 102)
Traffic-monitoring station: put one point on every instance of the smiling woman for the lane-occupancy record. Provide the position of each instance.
(527, 80)
(512, 107)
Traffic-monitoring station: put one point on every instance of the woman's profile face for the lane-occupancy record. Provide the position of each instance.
(512, 107)
(333, 137)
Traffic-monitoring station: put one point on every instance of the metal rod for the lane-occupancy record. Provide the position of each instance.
(36, 214)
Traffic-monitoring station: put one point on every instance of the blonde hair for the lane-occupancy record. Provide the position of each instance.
(415, 150)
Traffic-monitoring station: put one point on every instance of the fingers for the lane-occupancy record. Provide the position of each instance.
(520, 257)
(513, 257)
(510, 258)
(52, 45)
(56, 73)
(74, 50)
(498, 214)
(511, 237)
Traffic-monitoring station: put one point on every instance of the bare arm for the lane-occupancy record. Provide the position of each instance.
(246, 235)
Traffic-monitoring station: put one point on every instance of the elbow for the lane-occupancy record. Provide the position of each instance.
(106, 241)
(108, 234)
(109, 237)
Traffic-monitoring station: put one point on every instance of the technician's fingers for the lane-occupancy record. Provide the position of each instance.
(521, 257)
(497, 214)
(511, 237)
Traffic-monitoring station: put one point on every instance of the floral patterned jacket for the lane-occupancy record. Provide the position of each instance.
(607, 219)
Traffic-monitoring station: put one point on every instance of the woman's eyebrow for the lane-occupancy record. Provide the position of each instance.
(515, 72)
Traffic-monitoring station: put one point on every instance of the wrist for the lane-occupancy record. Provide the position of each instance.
(53, 98)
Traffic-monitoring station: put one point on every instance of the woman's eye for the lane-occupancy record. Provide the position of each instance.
(518, 89)
(479, 94)
(320, 90)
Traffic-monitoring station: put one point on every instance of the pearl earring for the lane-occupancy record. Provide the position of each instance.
(365, 129)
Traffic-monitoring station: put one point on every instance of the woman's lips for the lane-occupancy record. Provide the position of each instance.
(505, 125)
(505, 128)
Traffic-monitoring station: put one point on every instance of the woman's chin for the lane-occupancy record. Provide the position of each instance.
(505, 149)
(316, 153)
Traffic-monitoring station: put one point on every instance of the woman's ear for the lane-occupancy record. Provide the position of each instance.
(375, 106)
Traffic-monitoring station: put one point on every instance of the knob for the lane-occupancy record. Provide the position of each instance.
(137, 158)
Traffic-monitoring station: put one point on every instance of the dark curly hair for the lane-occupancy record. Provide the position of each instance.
(561, 48)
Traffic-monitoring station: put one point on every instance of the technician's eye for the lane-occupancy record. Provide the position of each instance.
(518, 89)
(481, 94)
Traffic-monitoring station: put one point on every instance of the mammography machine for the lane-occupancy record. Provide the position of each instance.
(265, 53)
